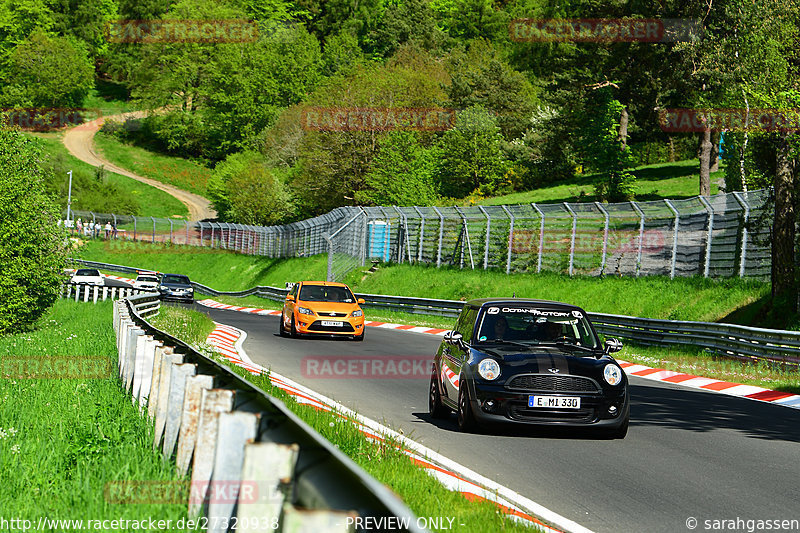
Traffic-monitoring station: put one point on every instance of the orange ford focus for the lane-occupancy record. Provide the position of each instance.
(322, 308)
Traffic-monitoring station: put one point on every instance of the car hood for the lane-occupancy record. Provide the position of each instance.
(322, 308)
(176, 286)
(547, 360)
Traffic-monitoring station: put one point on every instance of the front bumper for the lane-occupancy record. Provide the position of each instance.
(496, 404)
(178, 297)
(312, 325)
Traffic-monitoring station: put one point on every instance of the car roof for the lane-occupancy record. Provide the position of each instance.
(483, 302)
(324, 283)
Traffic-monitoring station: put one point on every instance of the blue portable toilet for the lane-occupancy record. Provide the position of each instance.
(379, 237)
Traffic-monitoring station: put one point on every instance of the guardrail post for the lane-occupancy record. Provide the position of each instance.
(235, 430)
(572, 238)
(177, 388)
(510, 237)
(169, 359)
(674, 238)
(187, 436)
(746, 219)
(641, 237)
(154, 229)
(134, 334)
(212, 403)
(605, 237)
(486, 244)
(709, 236)
(170, 231)
(541, 238)
(134, 227)
(268, 466)
(441, 234)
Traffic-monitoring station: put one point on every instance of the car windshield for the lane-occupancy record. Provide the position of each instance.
(149, 279)
(87, 272)
(324, 293)
(533, 325)
(182, 280)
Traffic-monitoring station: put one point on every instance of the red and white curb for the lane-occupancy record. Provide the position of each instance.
(751, 392)
(455, 477)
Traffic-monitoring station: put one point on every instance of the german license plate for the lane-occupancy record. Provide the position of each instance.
(554, 402)
(333, 323)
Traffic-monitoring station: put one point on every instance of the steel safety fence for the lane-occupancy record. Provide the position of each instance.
(720, 236)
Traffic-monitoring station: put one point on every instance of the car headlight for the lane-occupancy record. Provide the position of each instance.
(489, 369)
(358, 312)
(305, 311)
(612, 374)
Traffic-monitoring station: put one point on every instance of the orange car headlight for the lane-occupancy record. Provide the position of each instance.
(357, 313)
(305, 311)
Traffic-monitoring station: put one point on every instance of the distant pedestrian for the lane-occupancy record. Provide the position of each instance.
(79, 225)
(114, 230)
(108, 229)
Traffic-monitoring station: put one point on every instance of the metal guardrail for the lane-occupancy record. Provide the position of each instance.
(237, 436)
(741, 342)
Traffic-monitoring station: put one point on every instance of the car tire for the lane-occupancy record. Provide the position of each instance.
(466, 418)
(435, 407)
(281, 330)
(293, 329)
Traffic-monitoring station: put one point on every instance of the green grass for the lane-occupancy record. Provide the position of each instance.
(381, 460)
(147, 200)
(650, 296)
(63, 440)
(182, 173)
(680, 179)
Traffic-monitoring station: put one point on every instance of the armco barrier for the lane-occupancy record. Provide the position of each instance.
(741, 342)
(238, 437)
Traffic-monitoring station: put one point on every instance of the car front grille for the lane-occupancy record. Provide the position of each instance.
(549, 383)
(324, 315)
(344, 328)
(524, 413)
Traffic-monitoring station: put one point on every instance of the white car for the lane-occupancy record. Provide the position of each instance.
(146, 281)
(88, 276)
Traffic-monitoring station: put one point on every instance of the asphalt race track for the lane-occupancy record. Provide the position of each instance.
(687, 454)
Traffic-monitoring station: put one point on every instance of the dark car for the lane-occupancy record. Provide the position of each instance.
(529, 362)
(176, 287)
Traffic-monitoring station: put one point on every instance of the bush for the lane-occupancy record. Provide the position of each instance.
(32, 250)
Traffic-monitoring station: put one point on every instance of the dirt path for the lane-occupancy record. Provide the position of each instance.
(80, 143)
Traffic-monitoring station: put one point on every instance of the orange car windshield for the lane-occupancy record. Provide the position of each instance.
(320, 293)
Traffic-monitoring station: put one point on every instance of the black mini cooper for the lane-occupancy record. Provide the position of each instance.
(532, 362)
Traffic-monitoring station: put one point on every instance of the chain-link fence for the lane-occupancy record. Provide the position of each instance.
(713, 237)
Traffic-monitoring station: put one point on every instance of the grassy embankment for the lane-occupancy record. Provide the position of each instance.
(654, 182)
(383, 461)
(656, 297)
(149, 200)
(63, 440)
(177, 171)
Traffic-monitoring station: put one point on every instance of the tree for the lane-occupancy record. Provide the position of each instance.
(472, 155)
(601, 149)
(47, 71)
(32, 246)
(402, 173)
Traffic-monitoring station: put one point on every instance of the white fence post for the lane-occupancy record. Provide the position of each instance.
(709, 236)
(674, 237)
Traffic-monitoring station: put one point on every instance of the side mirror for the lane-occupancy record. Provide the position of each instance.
(289, 298)
(361, 301)
(453, 337)
(613, 345)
